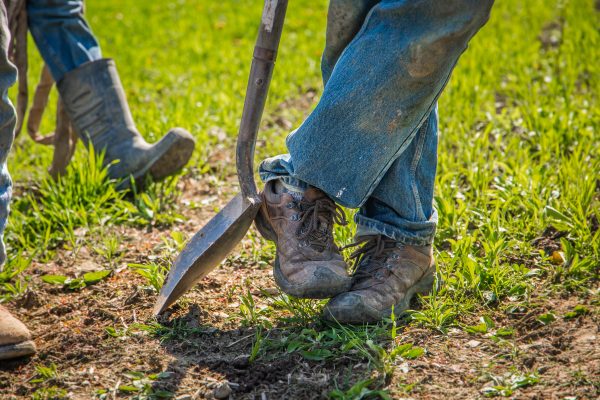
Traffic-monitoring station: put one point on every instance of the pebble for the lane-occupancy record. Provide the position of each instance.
(222, 391)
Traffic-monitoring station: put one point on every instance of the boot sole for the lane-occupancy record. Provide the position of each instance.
(23, 349)
(175, 158)
(167, 163)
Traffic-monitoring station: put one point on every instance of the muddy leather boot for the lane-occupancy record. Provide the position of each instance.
(308, 264)
(95, 102)
(388, 274)
(15, 339)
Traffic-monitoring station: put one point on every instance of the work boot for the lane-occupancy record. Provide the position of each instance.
(15, 339)
(95, 102)
(308, 264)
(388, 274)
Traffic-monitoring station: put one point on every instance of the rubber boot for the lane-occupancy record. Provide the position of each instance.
(95, 102)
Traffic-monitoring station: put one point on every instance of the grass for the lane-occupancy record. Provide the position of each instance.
(517, 189)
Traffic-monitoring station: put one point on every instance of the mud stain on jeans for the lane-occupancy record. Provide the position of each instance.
(424, 59)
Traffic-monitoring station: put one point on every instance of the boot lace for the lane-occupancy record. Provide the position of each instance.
(370, 260)
(316, 222)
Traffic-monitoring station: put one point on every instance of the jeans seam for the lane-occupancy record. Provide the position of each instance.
(413, 168)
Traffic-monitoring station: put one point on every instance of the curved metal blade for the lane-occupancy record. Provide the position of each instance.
(207, 249)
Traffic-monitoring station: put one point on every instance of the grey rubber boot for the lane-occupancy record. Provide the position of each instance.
(95, 102)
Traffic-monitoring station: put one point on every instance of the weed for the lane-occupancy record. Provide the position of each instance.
(154, 273)
(109, 249)
(547, 318)
(88, 279)
(50, 393)
(577, 311)
(249, 314)
(157, 202)
(141, 387)
(506, 385)
(45, 374)
(359, 391)
(256, 345)
(9, 287)
(48, 377)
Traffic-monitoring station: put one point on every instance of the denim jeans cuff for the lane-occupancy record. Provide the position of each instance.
(289, 181)
(409, 233)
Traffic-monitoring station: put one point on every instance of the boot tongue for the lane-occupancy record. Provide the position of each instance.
(313, 194)
(323, 226)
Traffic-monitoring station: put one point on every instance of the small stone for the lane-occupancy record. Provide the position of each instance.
(86, 266)
(222, 391)
(473, 343)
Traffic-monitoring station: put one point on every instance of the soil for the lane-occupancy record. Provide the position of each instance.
(69, 328)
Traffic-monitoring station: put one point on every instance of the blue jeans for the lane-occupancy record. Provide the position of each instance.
(8, 120)
(371, 142)
(61, 34)
(65, 41)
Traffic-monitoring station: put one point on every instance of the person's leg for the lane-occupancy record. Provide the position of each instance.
(94, 97)
(8, 119)
(344, 20)
(62, 34)
(299, 218)
(15, 339)
(401, 206)
(395, 227)
(381, 90)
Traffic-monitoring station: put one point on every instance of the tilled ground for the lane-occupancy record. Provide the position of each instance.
(212, 347)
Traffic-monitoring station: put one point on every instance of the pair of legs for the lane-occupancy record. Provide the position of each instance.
(94, 100)
(371, 142)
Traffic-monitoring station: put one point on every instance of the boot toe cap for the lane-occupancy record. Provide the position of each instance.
(350, 308)
(313, 281)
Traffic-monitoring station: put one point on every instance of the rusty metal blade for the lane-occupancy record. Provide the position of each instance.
(207, 249)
